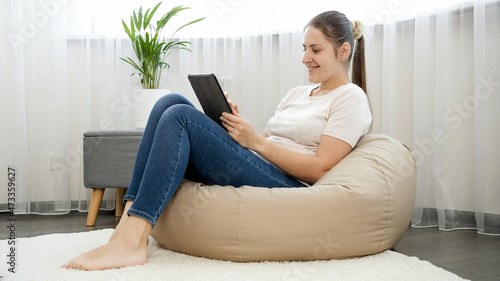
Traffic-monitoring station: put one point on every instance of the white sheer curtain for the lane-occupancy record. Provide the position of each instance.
(427, 64)
(34, 107)
(434, 80)
(456, 137)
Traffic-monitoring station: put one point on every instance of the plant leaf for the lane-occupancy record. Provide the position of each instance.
(148, 20)
(195, 21)
(134, 18)
(132, 63)
(132, 27)
(138, 22)
(173, 12)
(128, 31)
(146, 15)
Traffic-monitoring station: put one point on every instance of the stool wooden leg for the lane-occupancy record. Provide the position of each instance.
(120, 193)
(95, 203)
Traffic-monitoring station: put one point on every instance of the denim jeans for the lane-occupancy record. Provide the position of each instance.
(180, 141)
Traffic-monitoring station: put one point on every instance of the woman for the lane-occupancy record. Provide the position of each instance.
(313, 129)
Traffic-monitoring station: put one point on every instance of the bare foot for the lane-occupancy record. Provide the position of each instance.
(128, 248)
(115, 254)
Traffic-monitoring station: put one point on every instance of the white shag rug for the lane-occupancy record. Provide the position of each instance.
(39, 258)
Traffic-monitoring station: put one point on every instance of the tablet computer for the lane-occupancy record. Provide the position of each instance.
(210, 94)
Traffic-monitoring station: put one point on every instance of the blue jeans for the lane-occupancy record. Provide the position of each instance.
(180, 141)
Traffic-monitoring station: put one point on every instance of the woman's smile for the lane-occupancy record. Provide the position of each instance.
(312, 68)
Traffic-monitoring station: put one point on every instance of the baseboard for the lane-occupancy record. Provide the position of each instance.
(459, 219)
(54, 208)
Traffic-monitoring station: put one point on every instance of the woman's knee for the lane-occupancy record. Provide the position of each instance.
(179, 112)
(169, 100)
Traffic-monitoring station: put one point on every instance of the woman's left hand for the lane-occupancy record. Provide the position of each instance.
(240, 130)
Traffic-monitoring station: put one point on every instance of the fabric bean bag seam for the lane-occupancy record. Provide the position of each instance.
(239, 221)
(390, 201)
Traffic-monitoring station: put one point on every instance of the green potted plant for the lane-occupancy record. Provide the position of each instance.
(152, 49)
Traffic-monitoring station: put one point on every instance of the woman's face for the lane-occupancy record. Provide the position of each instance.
(319, 56)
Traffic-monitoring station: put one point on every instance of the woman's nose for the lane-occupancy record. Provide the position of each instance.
(305, 58)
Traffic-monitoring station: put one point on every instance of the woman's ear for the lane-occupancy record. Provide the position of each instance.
(345, 51)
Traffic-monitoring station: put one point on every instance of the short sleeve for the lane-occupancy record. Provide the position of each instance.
(350, 117)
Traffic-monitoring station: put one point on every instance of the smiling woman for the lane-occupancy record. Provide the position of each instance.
(181, 142)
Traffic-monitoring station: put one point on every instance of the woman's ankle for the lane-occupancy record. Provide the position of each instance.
(136, 228)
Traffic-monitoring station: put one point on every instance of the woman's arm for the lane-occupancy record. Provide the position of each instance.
(308, 168)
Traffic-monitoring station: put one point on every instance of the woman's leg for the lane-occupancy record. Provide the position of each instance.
(183, 134)
(132, 233)
(144, 149)
(147, 139)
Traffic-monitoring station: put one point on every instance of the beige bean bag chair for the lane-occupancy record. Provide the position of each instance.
(362, 206)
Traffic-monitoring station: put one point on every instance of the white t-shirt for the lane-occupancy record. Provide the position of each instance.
(301, 119)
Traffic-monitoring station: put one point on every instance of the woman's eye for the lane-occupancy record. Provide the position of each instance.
(314, 51)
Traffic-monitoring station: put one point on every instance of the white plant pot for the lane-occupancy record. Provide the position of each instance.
(145, 100)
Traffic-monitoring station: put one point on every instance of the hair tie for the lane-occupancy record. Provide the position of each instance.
(357, 29)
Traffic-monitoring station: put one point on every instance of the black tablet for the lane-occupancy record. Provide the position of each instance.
(210, 94)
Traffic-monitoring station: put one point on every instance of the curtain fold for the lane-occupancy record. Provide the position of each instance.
(433, 80)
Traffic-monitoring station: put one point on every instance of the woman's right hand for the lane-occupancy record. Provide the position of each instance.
(234, 107)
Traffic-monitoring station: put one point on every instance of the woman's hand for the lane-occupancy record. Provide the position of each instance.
(240, 130)
(234, 107)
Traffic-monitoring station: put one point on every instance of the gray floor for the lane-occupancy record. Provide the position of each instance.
(464, 252)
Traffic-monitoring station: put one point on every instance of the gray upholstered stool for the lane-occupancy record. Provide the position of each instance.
(108, 162)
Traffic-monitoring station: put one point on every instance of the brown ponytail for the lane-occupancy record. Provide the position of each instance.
(358, 64)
